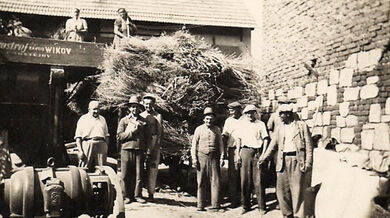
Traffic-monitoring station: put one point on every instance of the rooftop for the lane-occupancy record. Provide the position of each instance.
(226, 13)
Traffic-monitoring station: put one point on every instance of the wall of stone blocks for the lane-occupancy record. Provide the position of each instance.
(332, 57)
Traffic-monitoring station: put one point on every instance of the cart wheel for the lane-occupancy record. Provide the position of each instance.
(119, 206)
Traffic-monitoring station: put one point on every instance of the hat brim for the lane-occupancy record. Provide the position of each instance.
(207, 114)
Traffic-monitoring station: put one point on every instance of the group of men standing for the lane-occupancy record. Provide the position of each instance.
(249, 146)
(245, 141)
(139, 134)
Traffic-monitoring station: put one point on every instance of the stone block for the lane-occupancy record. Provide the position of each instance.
(334, 77)
(335, 133)
(379, 160)
(302, 101)
(331, 97)
(351, 120)
(368, 60)
(311, 105)
(369, 91)
(304, 113)
(271, 94)
(340, 121)
(320, 101)
(317, 118)
(310, 89)
(372, 79)
(347, 135)
(317, 131)
(352, 61)
(381, 139)
(322, 87)
(290, 94)
(346, 75)
(326, 118)
(279, 92)
(385, 118)
(367, 137)
(351, 94)
(298, 92)
(310, 123)
(375, 113)
(387, 106)
(326, 132)
(344, 147)
(344, 108)
(369, 126)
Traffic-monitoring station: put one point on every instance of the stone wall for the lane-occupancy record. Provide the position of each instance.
(332, 57)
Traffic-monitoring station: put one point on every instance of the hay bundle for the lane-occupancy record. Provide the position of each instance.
(186, 74)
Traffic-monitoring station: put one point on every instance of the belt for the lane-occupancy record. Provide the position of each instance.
(94, 139)
(256, 149)
(292, 153)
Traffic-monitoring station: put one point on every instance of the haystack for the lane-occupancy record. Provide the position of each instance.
(184, 72)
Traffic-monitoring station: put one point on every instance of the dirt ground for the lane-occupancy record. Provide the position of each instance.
(170, 203)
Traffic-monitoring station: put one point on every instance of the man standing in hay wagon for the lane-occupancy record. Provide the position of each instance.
(207, 152)
(123, 27)
(154, 125)
(131, 133)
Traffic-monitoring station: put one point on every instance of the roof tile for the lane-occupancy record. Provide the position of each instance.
(229, 13)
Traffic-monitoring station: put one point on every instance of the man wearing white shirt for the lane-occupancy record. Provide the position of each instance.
(92, 136)
(251, 144)
(229, 138)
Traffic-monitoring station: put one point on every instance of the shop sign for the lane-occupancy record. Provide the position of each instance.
(50, 52)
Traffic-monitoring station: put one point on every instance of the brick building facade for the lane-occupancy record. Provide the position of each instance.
(333, 57)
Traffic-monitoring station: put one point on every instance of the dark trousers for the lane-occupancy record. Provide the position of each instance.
(208, 172)
(251, 173)
(290, 185)
(233, 177)
(132, 165)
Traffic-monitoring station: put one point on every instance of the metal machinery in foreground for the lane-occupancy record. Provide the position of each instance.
(61, 192)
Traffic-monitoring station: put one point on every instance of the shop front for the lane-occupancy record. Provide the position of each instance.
(33, 76)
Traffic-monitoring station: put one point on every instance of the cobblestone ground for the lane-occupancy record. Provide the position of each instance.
(170, 203)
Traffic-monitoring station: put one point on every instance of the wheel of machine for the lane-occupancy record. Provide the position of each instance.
(119, 206)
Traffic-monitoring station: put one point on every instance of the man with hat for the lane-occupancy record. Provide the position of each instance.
(252, 139)
(274, 122)
(92, 137)
(206, 152)
(154, 126)
(132, 134)
(229, 139)
(294, 161)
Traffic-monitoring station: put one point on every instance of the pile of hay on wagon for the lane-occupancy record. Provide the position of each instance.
(185, 74)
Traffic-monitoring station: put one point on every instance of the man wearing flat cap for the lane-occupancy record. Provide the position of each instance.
(251, 144)
(229, 139)
(131, 134)
(294, 161)
(206, 152)
(154, 126)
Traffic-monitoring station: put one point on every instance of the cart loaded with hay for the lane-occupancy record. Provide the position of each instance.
(184, 73)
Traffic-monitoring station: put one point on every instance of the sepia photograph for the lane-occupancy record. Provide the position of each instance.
(195, 108)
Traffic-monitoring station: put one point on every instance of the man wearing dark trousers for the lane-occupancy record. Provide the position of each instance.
(131, 134)
(294, 161)
(252, 140)
(229, 132)
(206, 152)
